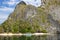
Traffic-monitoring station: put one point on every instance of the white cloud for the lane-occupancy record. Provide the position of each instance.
(6, 9)
(4, 13)
(33, 2)
(11, 2)
(3, 17)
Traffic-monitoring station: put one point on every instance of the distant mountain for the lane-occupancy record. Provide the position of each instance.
(30, 19)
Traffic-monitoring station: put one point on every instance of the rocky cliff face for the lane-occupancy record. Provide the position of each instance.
(53, 8)
(28, 18)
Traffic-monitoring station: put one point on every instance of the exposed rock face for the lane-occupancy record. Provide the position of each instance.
(28, 18)
(50, 2)
(22, 3)
(53, 8)
(23, 12)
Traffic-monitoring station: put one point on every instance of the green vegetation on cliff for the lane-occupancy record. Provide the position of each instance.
(25, 19)
(29, 19)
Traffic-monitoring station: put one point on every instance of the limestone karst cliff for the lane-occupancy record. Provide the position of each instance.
(53, 8)
(31, 19)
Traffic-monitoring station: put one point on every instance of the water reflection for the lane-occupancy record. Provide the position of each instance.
(44, 37)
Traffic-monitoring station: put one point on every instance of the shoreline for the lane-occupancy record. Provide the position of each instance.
(24, 34)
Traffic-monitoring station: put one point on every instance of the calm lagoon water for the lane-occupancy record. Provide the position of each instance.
(40, 37)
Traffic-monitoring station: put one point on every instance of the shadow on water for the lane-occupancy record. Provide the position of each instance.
(42, 37)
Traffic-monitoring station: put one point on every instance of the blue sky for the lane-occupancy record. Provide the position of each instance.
(7, 7)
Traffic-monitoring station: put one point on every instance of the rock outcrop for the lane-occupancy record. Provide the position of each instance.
(28, 18)
(53, 8)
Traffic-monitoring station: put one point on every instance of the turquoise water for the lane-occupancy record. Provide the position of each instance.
(43, 37)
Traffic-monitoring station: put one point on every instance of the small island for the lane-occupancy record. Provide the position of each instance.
(30, 19)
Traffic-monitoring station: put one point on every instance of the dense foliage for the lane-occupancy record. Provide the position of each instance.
(28, 19)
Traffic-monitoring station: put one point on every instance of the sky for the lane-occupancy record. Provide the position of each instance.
(7, 7)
